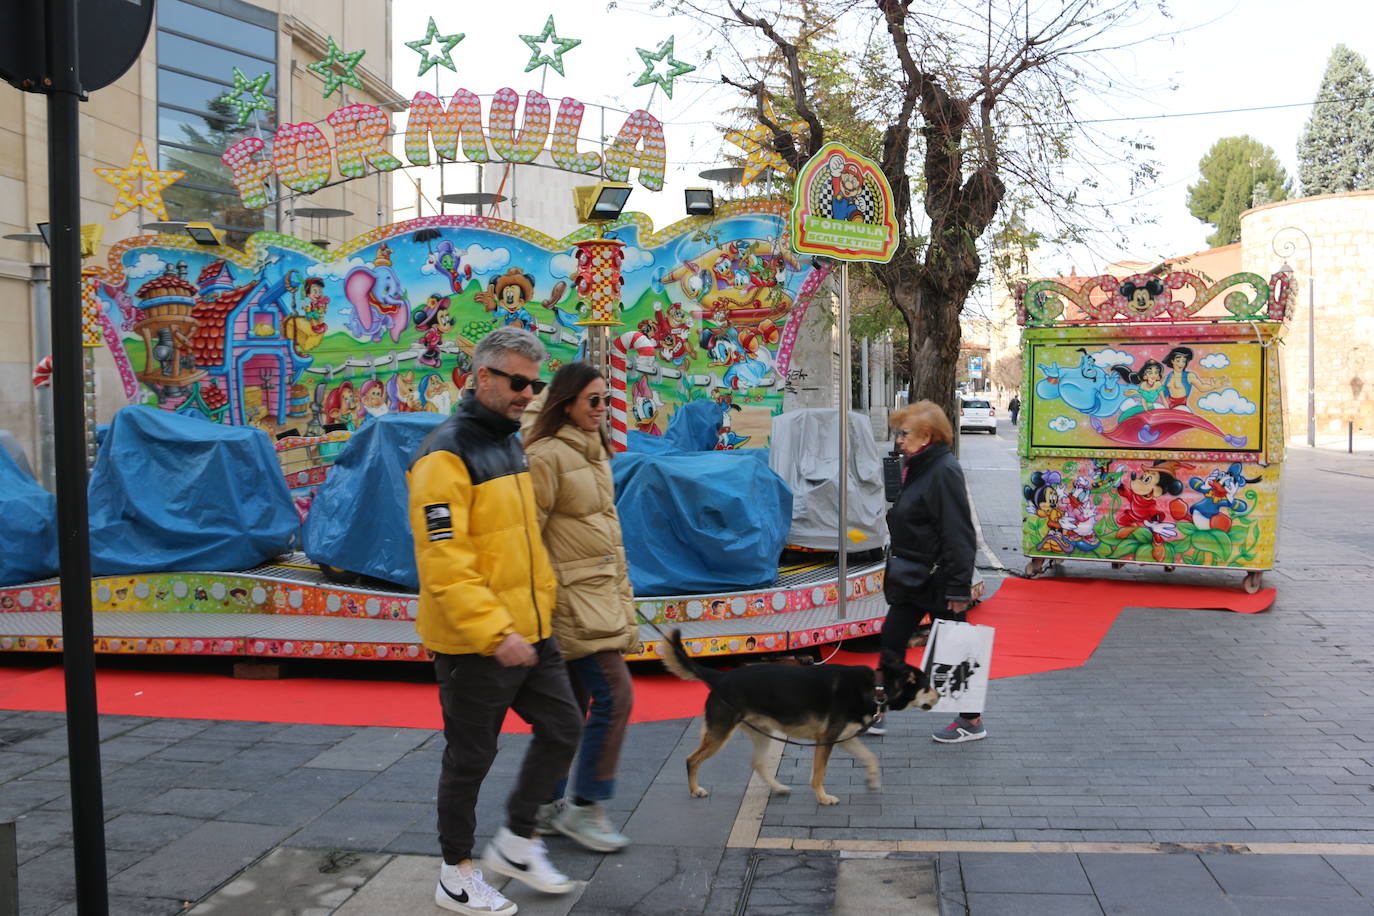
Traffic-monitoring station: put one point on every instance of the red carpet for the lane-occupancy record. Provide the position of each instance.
(1042, 625)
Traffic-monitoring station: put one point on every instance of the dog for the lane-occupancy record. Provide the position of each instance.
(826, 704)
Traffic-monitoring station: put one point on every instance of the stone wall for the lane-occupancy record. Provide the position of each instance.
(1335, 268)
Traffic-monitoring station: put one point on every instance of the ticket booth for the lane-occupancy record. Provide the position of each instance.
(1152, 428)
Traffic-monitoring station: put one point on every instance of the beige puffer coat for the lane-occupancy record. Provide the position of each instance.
(595, 612)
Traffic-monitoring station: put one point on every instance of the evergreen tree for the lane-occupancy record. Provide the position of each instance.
(1336, 149)
(1236, 172)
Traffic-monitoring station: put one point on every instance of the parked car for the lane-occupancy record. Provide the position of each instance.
(977, 413)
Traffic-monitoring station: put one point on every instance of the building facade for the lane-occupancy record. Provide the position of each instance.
(1326, 240)
(170, 100)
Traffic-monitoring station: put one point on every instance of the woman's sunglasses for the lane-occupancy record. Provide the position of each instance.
(595, 400)
(519, 382)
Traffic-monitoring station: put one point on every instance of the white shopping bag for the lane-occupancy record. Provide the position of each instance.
(958, 657)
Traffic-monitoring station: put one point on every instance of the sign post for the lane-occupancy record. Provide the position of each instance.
(66, 49)
(842, 208)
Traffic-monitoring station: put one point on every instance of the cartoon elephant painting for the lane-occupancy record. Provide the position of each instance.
(378, 299)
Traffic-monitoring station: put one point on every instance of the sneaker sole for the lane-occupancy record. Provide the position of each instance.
(445, 902)
(964, 737)
(588, 842)
(498, 864)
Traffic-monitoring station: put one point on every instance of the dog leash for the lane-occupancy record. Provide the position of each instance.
(879, 693)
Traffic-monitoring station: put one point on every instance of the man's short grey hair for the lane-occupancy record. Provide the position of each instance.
(492, 349)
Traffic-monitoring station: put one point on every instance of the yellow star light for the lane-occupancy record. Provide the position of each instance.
(140, 185)
(757, 143)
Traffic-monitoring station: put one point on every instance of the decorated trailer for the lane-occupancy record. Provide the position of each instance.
(1152, 425)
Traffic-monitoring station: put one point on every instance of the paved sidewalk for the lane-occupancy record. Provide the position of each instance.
(1201, 762)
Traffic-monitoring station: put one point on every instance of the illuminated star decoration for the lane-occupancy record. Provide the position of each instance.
(257, 99)
(757, 143)
(651, 59)
(445, 56)
(140, 172)
(548, 48)
(333, 79)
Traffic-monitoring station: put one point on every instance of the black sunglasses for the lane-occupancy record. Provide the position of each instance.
(595, 400)
(519, 382)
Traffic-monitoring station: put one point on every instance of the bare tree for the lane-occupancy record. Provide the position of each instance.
(969, 104)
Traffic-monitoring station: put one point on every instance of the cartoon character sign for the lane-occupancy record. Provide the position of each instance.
(435, 320)
(378, 299)
(1147, 395)
(509, 294)
(348, 340)
(1143, 511)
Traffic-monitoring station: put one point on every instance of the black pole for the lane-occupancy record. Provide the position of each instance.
(69, 434)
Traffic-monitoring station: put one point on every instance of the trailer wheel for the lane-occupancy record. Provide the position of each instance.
(1252, 582)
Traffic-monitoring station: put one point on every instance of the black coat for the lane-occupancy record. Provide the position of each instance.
(931, 527)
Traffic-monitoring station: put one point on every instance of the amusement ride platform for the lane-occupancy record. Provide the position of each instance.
(290, 609)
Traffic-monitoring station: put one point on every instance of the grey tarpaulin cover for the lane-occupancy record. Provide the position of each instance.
(805, 453)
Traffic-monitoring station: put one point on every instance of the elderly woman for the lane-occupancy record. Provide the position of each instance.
(930, 569)
(594, 619)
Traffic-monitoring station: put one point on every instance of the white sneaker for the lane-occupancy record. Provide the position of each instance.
(526, 861)
(548, 813)
(463, 890)
(878, 726)
(589, 826)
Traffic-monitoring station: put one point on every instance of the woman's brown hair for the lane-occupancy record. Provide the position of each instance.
(925, 417)
(567, 384)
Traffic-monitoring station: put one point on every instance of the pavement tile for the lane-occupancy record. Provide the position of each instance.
(984, 904)
(1279, 876)
(1290, 906)
(1024, 873)
(293, 882)
(1358, 872)
(199, 861)
(372, 749)
(48, 881)
(361, 825)
(146, 832)
(202, 803)
(665, 880)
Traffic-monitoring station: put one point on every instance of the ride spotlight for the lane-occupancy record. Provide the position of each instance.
(600, 202)
(205, 234)
(700, 202)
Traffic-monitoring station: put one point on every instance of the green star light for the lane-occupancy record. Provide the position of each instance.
(676, 67)
(445, 56)
(334, 79)
(257, 99)
(541, 56)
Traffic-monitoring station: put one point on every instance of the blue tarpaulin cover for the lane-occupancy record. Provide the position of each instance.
(702, 521)
(358, 520)
(28, 538)
(176, 492)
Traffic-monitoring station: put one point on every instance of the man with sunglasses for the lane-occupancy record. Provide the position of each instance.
(486, 603)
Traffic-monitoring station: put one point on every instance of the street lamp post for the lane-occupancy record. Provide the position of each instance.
(1285, 249)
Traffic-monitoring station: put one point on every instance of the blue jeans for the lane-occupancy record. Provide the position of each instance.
(603, 681)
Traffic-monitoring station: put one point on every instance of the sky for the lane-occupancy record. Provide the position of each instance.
(1222, 56)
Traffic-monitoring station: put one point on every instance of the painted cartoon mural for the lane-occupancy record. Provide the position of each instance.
(1201, 395)
(1152, 430)
(301, 343)
(1155, 511)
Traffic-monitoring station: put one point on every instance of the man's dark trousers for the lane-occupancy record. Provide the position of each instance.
(475, 691)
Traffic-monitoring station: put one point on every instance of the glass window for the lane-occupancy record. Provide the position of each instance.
(196, 94)
(225, 210)
(195, 57)
(200, 168)
(173, 14)
(975, 405)
(206, 132)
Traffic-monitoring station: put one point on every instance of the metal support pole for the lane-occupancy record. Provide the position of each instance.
(69, 429)
(42, 346)
(1311, 352)
(846, 396)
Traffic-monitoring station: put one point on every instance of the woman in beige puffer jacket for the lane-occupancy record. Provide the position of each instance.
(594, 619)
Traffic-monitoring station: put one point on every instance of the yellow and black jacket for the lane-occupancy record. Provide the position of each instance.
(484, 573)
